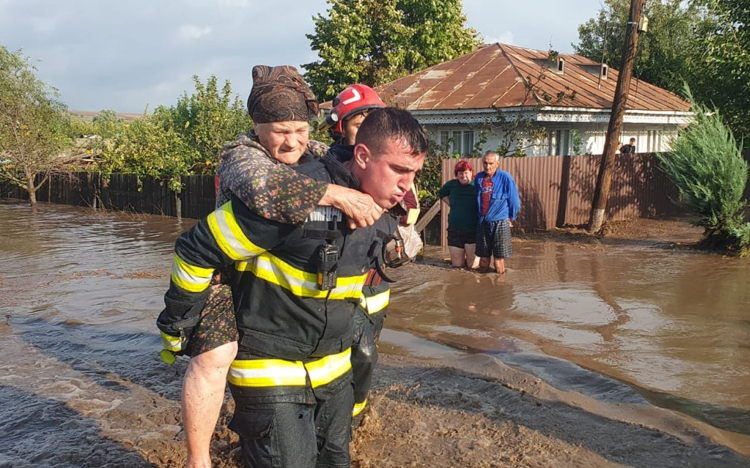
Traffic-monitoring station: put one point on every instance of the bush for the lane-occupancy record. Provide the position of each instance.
(185, 139)
(148, 147)
(710, 173)
(430, 178)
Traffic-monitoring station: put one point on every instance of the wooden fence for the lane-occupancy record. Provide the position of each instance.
(123, 192)
(555, 191)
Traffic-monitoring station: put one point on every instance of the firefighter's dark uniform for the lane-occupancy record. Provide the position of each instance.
(291, 380)
(368, 320)
(368, 323)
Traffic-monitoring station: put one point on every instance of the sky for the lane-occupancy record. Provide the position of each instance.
(134, 55)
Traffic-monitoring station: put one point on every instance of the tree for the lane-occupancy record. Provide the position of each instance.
(722, 70)
(710, 173)
(430, 178)
(184, 139)
(665, 53)
(207, 119)
(33, 126)
(374, 42)
(149, 146)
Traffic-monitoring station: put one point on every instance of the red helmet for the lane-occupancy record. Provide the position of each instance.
(351, 101)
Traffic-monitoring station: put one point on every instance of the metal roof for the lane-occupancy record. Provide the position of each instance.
(505, 76)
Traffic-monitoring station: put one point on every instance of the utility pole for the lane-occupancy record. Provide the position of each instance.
(604, 180)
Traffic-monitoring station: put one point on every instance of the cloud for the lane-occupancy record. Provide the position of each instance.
(189, 32)
(505, 37)
(123, 55)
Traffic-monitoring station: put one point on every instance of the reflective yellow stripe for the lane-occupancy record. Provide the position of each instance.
(358, 408)
(171, 343)
(378, 302)
(267, 373)
(281, 373)
(301, 283)
(411, 216)
(229, 235)
(329, 368)
(190, 277)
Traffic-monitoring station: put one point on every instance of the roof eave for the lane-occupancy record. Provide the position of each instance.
(550, 115)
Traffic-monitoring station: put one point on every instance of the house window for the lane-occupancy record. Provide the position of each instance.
(458, 141)
(468, 143)
(445, 135)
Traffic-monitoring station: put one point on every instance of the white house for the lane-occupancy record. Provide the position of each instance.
(558, 105)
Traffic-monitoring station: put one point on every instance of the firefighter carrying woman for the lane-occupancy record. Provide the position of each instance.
(297, 270)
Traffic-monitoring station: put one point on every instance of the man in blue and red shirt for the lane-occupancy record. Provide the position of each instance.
(498, 201)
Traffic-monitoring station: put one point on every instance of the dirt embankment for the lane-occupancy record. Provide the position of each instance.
(477, 412)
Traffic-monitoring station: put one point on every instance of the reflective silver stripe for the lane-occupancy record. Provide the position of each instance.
(267, 373)
(229, 235)
(377, 302)
(172, 343)
(190, 277)
(358, 407)
(329, 368)
(301, 283)
(281, 373)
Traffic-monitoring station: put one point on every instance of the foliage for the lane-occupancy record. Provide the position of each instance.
(577, 141)
(722, 70)
(376, 41)
(666, 52)
(33, 126)
(184, 139)
(321, 135)
(150, 146)
(516, 133)
(206, 120)
(710, 173)
(430, 178)
(107, 124)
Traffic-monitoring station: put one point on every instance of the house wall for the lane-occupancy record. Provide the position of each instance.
(559, 140)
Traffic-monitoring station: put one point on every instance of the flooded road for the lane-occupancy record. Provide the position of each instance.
(623, 324)
(673, 325)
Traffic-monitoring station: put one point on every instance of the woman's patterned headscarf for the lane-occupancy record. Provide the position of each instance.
(280, 94)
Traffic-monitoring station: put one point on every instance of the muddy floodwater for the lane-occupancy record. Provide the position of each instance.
(628, 324)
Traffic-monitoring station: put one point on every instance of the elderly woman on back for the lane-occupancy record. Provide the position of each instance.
(461, 195)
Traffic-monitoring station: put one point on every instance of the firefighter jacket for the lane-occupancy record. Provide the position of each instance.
(282, 312)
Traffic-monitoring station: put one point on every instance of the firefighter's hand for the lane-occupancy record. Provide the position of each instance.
(359, 208)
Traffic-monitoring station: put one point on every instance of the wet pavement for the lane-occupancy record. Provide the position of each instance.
(629, 323)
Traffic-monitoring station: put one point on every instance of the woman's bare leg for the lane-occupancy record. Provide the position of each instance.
(457, 256)
(202, 397)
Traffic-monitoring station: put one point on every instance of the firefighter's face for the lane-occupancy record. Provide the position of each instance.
(351, 127)
(386, 174)
(286, 141)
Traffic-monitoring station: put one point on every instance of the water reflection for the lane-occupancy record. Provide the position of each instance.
(666, 322)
